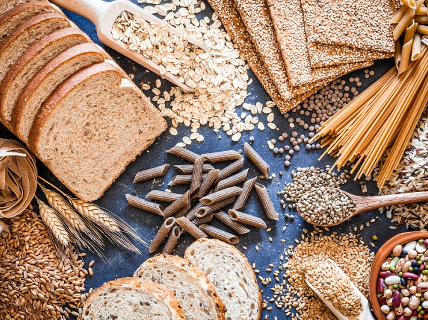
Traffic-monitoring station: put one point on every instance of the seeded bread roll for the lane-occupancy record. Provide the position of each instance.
(6, 5)
(91, 127)
(21, 13)
(31, 62)
(232, 275)
(196, 293)
(132, 298)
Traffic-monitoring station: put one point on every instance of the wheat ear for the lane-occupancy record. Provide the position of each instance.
(53, 223)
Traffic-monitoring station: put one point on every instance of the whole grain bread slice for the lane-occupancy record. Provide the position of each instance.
(6, 5)
(132, 298)
(31, 62)
(47, 80)
(91, 127)
(232, 275)
(197, 295)
(21, 13)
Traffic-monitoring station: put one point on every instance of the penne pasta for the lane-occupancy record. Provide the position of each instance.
(416, 47)
(405, 57)
(421, 19)
(232, 180)
(397, 55)
(177, 205)
(256, 159)
(181, 179)
(202, 220)
(188, 168)
(410, 31)
(266, 202)
(407, 17)
(161, 235)
(172, 240)
(183, 153)
(248, 219)
(197, 174)
(219, 234)
(207, 184)
(410, 3)
(220, 195)
(227, 220)
(223, 156)
(230, 169)
(422, 11)
(163, 196)
(144, 205)
(245, 194)
(184, 211)
(206, 210)
(192, 213)
(399, 14)
(151, 173)
(188, 226)
(422, 29)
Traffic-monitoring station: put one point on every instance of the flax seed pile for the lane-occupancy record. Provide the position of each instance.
(35, 283)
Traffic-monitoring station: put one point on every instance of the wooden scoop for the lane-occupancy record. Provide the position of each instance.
(363, 204)
(104, 14)
(365, 314)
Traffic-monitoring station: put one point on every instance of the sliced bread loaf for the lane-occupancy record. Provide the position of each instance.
(31, 62)
(6, 5)
(197, 295)
(91, 127)
(27, 34)
(46, 80)
(21, 13)
(231, 274)
(132, 299)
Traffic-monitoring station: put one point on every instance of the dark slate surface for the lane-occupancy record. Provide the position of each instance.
(122, 263)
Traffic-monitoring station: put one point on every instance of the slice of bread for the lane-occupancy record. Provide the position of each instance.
(91, 127)
(132, 299)
(27, 34)
(197, 295)
(21, 13)
(6, 5)
(230, 272)
(46, 80)
(31, 62)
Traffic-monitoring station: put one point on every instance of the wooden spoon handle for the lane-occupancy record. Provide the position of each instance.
(369, 203)
(90, 9)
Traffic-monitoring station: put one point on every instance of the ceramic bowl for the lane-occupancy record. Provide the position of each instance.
(381, 256)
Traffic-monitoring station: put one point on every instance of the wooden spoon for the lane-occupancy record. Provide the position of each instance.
(104, 14)
(363, 204)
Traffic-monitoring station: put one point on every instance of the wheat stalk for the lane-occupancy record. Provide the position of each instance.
(53, 223)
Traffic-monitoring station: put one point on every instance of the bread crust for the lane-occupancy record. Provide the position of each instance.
(232, 248)
(202, 278)
(30, 54)
(159, 290)
(63, 57)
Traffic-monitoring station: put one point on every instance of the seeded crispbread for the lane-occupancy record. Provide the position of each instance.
(358, 24)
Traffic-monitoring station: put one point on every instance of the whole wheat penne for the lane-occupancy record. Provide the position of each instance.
(399, 14)
(416, 47)
(422, 29)
(206, 210)
(188, 168)
(397, 55)
(232, 180)
(163, 196)
(230, 169)
(227, 220)
(256, 159)
(206, 184)
(177, 205)
(188, 226)
(172, 240)
(202, 220)
(183, 153)
(421, 19)
(410, 30)
(151, 173)
(220, 195)
(161, 235)
(407, 17)
(183, 211)
(223, 156)
(409, 3)
(422, 11)
(245, 194)
(406, 53)
(192, 213)
(266, 202)
(144, 205)
(248, 219)
(219, 234)
(197, 174)
(181, 179)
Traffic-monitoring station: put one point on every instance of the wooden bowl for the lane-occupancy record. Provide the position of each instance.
(380, 257)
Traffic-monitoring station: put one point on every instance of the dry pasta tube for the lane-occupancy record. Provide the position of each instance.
(266, 202)
(177, 205)
(232, 180)
(410, 31)
(219, 234)
(144, 205)
(188, 168)
(151, 173)
(256, 159)
(421, 19)
(248, 219)
(227, 220)
(188, 226)
(407, 17)
(223, 156)
(422, 11)
(183, 153)
(416, 47)
(405, 57)
(422, 29)
(206, 184)
(245, 194)
(409, 3)
(173, 238)
(220, 195)
(399, 14)
(161, 235)
(163, 196)
(230, 169)
(397, 55)
(197, 174)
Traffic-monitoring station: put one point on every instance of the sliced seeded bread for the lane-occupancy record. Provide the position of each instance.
(91, 127)
(196, 293)
(45, 82)
(231, 274)
(6, 5)
(132, 299)
(21, 13)
(31, 62)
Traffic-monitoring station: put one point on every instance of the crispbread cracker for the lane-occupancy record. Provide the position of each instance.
(358, 24)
